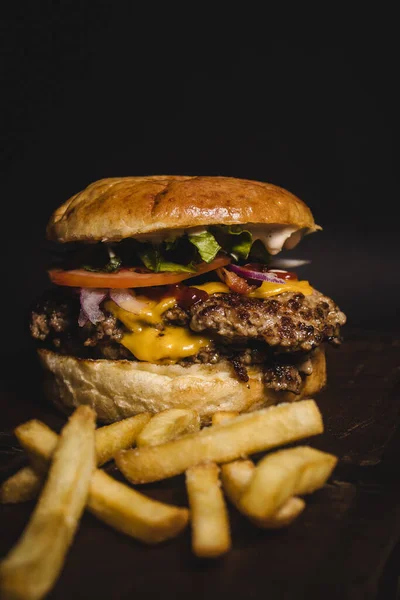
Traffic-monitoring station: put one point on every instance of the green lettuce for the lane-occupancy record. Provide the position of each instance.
(236, 241)
(206, 245)
(152, 259)
(113, 265)
(193, 247)
(171, 243)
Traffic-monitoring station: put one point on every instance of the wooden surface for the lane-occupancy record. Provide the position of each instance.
(343, 546)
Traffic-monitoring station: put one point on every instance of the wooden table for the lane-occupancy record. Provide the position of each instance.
(343, 546)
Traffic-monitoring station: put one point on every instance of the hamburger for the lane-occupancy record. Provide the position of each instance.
(166, 294)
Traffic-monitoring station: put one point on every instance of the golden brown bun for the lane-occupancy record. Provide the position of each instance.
(122, 207)
(122, 388)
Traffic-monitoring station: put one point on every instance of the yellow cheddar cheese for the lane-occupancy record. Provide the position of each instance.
(265, 290)
(268, 289)
(152, 344)
(213, 287)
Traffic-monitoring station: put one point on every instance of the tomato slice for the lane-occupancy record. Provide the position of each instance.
(127, 278)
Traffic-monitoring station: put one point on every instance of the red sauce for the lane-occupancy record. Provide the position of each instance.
(286, 275)
(185, 295)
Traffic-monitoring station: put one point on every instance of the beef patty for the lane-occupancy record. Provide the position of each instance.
(288, 322)
(54, 322)
(277, 333)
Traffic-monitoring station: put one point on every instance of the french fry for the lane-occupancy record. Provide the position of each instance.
(33, 565)
(236, 477)
(39, 442)
(119, 435)
(243, 435)
(113, 502)
(26, 483)
(284, 516)
(108, 439)
(133, 513)
(168, 425)
(316, 472)
(209, 518)
(283, 474)
(223, 416)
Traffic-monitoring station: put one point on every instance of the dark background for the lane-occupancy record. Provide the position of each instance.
(92, 91)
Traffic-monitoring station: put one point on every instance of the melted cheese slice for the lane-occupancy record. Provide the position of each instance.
(268, 289)
(152, 344)
(214, 287)
(265, 290)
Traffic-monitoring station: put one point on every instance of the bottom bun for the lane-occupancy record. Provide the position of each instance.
(117, 389)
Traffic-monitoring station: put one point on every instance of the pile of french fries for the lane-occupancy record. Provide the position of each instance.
(64, 474)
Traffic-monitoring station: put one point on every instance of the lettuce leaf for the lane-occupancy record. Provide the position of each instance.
(171, 243)
(113, 265)
(153, 260)
(238, 241)
(193, 247)
(206, 245)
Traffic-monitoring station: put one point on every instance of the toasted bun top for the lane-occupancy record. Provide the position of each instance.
(121, 207)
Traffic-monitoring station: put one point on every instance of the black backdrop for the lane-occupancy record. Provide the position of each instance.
(89, 91)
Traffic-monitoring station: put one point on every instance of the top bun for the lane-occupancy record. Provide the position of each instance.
(122, 207)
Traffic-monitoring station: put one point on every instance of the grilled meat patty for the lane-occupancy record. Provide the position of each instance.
(54, 321)
(278, 333)
(288, 322)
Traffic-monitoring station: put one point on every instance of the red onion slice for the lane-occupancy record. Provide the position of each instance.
(255, 275)
(91, 299)
(127, 300)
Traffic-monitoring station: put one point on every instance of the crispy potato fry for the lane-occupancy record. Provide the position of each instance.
(109, 439)
(284, 516)
(168, 425)
(119, 435)
(316, 472)
(283, 474)
(39, 441)
(209, 518)
(223, 415)
(132, 513)
(236, 477)
(33, 565)
(24, 485)
(243, 435)
(113, 502)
